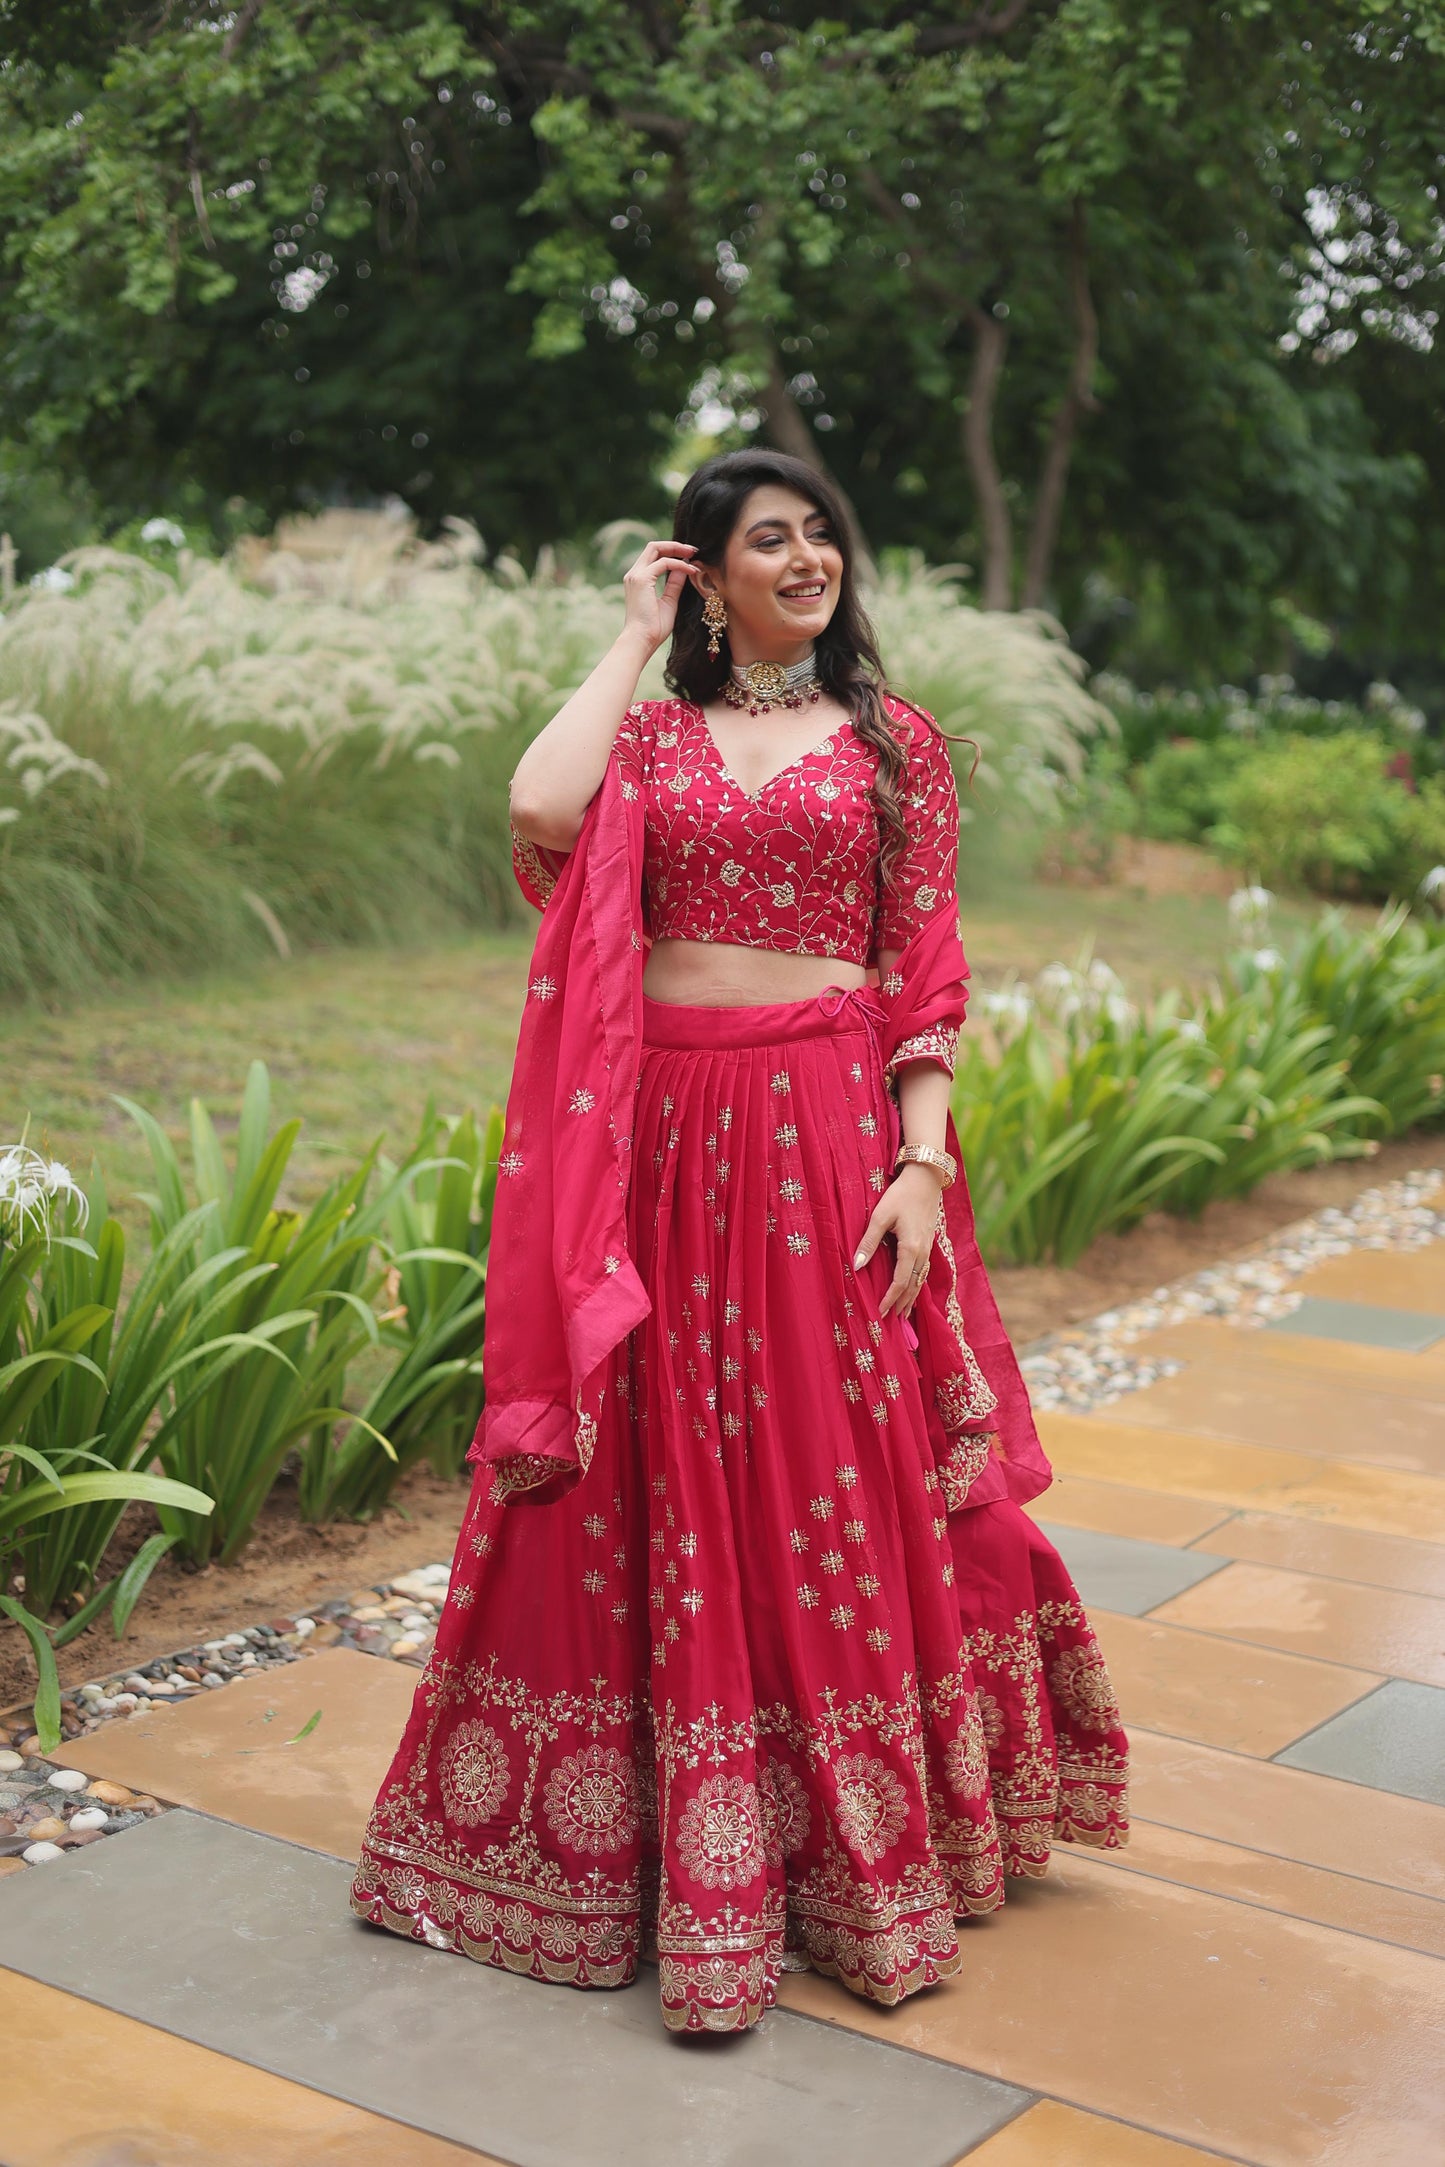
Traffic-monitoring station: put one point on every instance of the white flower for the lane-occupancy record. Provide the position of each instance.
(1189, 1027)
(163, 530)
(29, 1186)
(53, 580)
(1433, 884)
(1008, 1008)
(1267, 959)
(1101, 979)
(1246, 903)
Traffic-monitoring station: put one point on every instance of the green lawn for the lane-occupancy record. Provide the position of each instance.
(356, 1040)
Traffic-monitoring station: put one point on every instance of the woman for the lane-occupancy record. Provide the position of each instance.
(751, 1660)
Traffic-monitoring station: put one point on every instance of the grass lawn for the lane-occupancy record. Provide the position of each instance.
(356, 1039)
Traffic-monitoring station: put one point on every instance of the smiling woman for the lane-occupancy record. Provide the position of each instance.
(751, 1657)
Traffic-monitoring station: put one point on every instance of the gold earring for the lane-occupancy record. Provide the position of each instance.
(715, 617)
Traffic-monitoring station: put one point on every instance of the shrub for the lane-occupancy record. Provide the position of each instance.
(1316, 813)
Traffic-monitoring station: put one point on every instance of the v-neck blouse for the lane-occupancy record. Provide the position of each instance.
(793, 866)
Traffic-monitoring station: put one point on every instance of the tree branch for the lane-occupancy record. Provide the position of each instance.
(236, 35)
(789, 431)
(1079, 399)
(990, 343)
(946, 38)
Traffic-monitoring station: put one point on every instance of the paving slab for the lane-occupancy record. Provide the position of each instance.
(1222, 1693)
(1339, 1553)
(1365, 1324)
(1268, 2039)
(238, 1754)
(1402, 1636)
(1398, 1278)
(1381, 1499)
(244, 1944)
(1118, 1572)
(1052, 2135)
(84, 2087)
(1283, 1885)
(1328, 1417)
(1394, 1741)
(1113, 1508)
(1240, 1347)
(1376, 1836)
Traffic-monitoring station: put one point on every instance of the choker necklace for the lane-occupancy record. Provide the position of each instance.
(762, 686)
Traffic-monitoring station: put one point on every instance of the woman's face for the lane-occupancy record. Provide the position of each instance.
(780, 575)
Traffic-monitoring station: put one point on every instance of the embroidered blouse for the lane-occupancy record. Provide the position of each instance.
(793, 866)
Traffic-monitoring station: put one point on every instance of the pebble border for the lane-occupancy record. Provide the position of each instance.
(1090, 1365)
(45, 1811)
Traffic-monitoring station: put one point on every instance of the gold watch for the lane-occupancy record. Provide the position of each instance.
(942, 1162)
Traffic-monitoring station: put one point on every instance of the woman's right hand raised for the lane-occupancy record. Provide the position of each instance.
(651, 613)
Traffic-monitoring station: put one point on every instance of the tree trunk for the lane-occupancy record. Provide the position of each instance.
(789, 430)
(1078, 400)
(990, 342)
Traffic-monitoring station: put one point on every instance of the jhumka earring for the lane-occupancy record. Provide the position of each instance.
(715, 617)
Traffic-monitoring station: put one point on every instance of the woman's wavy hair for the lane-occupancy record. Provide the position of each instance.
(849, 665)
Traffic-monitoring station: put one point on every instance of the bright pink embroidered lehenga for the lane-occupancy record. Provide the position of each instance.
(751, 1659)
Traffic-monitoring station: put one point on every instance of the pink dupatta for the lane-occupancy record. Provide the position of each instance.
(562, 1290)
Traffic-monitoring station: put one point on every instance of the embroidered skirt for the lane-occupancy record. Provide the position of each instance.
(750, 1697)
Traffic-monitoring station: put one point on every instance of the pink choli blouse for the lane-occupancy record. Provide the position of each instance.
(793, 866)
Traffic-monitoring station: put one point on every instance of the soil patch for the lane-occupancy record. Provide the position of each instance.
(285, 1569)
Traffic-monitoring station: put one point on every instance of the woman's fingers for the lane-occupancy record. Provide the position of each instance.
(910, 1264)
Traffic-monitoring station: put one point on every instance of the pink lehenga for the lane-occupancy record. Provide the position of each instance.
(751, 1659)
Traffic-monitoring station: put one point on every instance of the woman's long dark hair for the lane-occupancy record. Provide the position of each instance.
(849, 665)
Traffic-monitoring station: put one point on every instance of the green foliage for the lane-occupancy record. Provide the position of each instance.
(1381, 996)
(231, 1355)
(1080, 1114)
(1324, 814)
(289, 1294)
(437, 1231)
(1180, 788)
(76, 1395)
(270, 255)
(484, 260)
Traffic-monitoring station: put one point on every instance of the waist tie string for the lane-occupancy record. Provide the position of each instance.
(892, 1116)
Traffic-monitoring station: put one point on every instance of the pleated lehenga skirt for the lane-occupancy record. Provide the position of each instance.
(749, 1698)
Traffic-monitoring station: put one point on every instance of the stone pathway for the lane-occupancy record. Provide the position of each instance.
(1258, 1523)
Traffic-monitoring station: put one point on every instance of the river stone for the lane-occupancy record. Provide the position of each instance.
(9, 1758)
(88, 1817)
(39, 1854)
(69, 1779)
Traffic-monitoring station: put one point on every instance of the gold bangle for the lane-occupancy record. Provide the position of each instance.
(942, 1162)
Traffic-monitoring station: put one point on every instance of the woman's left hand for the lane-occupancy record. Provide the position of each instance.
(908, 1210)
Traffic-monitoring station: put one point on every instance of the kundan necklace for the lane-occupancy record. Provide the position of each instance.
(762, 686)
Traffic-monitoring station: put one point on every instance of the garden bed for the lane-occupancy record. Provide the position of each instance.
(290, 1569)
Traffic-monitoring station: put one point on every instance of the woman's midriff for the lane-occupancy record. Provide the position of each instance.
(716, 974)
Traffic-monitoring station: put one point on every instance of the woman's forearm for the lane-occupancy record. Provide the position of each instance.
(923, 1095)
(562, 769)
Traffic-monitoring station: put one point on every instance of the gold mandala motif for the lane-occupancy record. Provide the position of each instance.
(787, 1816)
(591, 1801)
(872, 1806)
(965, 1760)
(1081, 1680)
(474, 1773)
(720, 1833)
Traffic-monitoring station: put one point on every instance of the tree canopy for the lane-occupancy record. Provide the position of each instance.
(1109, 301)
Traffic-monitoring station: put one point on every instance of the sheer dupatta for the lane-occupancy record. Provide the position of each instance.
(985, 1441)
(562, 1291)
